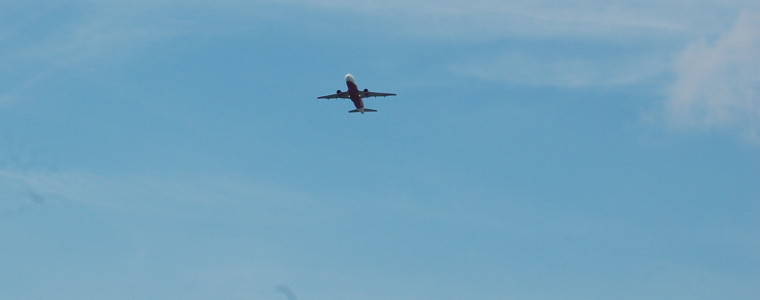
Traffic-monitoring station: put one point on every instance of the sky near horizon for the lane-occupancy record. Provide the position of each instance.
(536, 150)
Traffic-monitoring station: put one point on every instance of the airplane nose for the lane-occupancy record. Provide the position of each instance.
(350, 78)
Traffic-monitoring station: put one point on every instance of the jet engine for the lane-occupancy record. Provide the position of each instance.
(366, 93)
(338, 92)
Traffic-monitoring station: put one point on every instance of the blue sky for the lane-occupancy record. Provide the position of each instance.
(536, 150)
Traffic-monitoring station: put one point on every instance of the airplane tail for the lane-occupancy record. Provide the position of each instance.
(362, 110)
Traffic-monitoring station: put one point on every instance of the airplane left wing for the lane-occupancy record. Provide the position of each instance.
(375, 94)
(343, 95)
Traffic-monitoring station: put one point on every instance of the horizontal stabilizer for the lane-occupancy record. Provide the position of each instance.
(362, 110)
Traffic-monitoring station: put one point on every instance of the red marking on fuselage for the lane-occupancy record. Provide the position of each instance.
(353, 92)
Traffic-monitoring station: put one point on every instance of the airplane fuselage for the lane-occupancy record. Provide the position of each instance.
(353, 92)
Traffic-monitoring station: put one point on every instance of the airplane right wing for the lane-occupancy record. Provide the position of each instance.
(341, 95)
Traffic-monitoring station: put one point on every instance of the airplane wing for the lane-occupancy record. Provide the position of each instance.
(375, 94)
(343, 95)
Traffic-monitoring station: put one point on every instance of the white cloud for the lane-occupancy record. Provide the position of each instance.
(181, 195)
(54, 38)
(563, 70)
(615, 42)
(480, 19)
(718, 83)
(40, 42)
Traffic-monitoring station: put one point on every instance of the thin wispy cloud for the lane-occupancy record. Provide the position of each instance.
(637, 41)
(46, 46)
(718, 82)
(522, 67)
(87, 30)
(86, 36)
(493, 18)
(184, 195)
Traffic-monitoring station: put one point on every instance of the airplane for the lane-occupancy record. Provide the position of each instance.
(356, 95)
